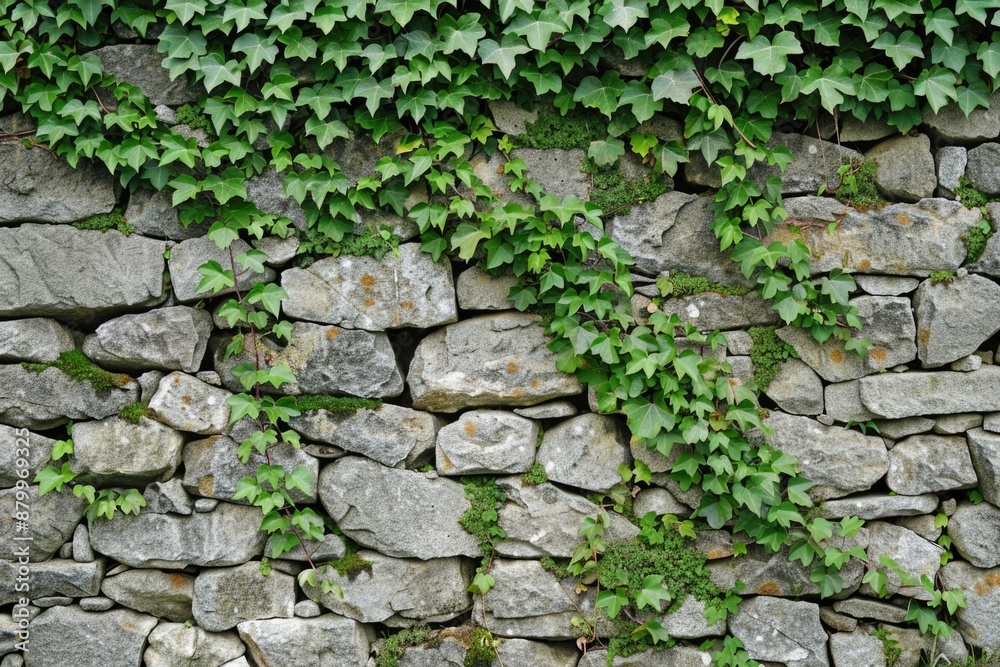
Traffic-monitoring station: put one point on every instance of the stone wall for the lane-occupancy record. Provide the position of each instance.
(469, 388)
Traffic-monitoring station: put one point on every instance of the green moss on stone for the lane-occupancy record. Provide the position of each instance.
(76, 365)
(351, 565)
(103, 222)
(767, 353)
(395, 645)
(337, 404)
(536, 475)
(576, 129)
(193, 117)
(134, 412)
(678, 285)
(613, 192)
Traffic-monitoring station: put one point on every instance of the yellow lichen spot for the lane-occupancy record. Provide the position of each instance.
(408, 305)
(517, 393)
(863, 265)
(177, 580)
(512, 367)
(368, 281)
(923, 336)
(877, 354)
(769, 588)
(534, 384)
(470, 429)
(332, 333)
(206, 485)
(988, 584)
(904, 220)
(836, 356)
(369, 302)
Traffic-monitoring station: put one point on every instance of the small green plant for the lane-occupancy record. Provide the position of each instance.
(970, 196)
(577, 128)
(975, 240)
(482, 648)
(864, 426)
(890, 646)
(943, 277)
(536, 475)
(76, 365)
(337, 404)
(103, 222)
(613, 192)
(482, 521)
(858, 187)
(351, 564)
(193, 117)
(677, 285)
(767, 353)
(134, 412)
(395, 645)
(370, 242)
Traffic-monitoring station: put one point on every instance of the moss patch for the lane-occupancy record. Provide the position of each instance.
(613, 192)
(104, 222)
(970, 196)
(858, 187)
(337, 404)
(481, 650)
(395, 645)
(351, 565)
(558, 567)
(975, 240)
(678, 285)
(767, 353)
(944, 277)
(193, 117)
(481, 519)
(134, 412)
(77, 366)
(536, 475)
(576, 129)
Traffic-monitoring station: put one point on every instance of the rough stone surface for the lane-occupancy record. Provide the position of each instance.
(914, 555)
(951, 125)
(688, 621)
(70, 274)
(951, 161)
(152, 214)
(955, 318)
(774, 574)
(54, 517)
(797, 389)
(898, 240)
(866, 608)
(835, 621)
(27, 193)
(188, 404)
(512, 119)
(905, 168)
(162, 594)
(82, 553)
(408, 290)
(212, 468)
(391, 434)
(930, 463)
(711, 310)
(886, 285)
(38, 339)
(973, 362)
(324, 641)
(673, 233)
(984, 448)
(55, 577)
(71, 636)
(960, 423)
(166, 339)
(399, 591)
(978, 620)
(116, 452)
(850, 649)
(876, 506)
(228, 535)
(781, 631)
(974, 530)
(279, 250)
(814, 165)
(898, 395)
(187, 256)
(585, 451)
(837, 460)
(486, 441)
(982, 168)
(486, 361)
(551, 410)
(887, 323)
(225, 597)
(658, 500)
(174, 644)
(13, 442)
(266, 192)
(477, 290)
(448, 653)
(543, 520)
(139, 65)
(397, 512)
(558, 171)
(842, 402)
(167, 497)
(526, 653)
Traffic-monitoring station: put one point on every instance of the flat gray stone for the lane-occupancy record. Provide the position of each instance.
(954, 319)
(324, 641)
(187, 256)
(585, 451)
(116, 452)
(38, 339)
(911, 394)
(774, 574)
(97, 603)
(782, 631)
(551, 410)
(63, 272)
(173, 338)
(397, 512)
(678, 656)
(20, 449)
(492, 360)
(984, 448)
(162, 594)
(905, 167)
(912, 553)
(71, 636)
(878, 506)
(982, 168)
(973, 530)
(813, 166)
(477, 290)
(55, 577)
(486, 441)
(835, 621)
(898, 240)
(960, 423)
(886, 285)
(225, 597)
(167, 497)
(279, 250)
(212, 468)
(526, 653)
(228, 535)
(842, 402)
(711, 310)
(797, 389)
(511, 118)
(331, 548)
(930, 463)
(39, 186)
(688, 621)
(188, 404)
(659, 501)
(951, 125)
(140, 65)
(849, 649)
(898, 429)
(175, 644)
(978, 620)
(408, 290)
(400, 591)
(973, 362)
(307, 609)
(951, 161)
(876, 610)
(837, 460)
(53, 518)
(542, 520)
(922, 525)
(557, 170)
(153, 214)
(449, 652)
(392, 435)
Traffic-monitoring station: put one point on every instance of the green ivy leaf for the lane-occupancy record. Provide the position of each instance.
(606, 151)
(901, 49)
(217, 70)
(676, 85)
(187, 9)
(258, 50)
(770, 57)
(215, 278)
(624, 13)
(503, 55)
(937, 84)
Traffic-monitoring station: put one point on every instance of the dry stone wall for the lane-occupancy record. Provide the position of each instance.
(470, 388)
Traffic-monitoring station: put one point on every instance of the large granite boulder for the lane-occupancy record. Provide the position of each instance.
(117, 452)
(954, 318)
(167, 339)
(323, 641)
(225, 597)
(71, 636)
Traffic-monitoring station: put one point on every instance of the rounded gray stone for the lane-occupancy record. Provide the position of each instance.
(905, 168)
(225, 597)
(324, 641)
(781, 631)
(930, 463)
(486, 441)
(974, 530)
(162, 594)
(983, 168)
(585, 451)
(173, 338)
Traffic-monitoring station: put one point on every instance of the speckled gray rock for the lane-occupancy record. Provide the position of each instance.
(408, 290)
(63, 272)
(82, 552)
(174, 644)
(139, 65)
(984, 448)
(13, 442)
(688, 621)
(951, 161)
(782, 631)
(477, 290)
(886, 285)
(551, 410)
(213, 469)
(660, 501)
(228, 535)
(162, 594)
(225, 597)
(510, 118)
(188, 404)
(37, 339)
(487, 361)
(55, 577)
(842, 402)
(905, 167)
(678, 656)
(711, 310)
(543, 520)
(331, 548)
(838, 461)
(167, 497)
(153, 214)
(585, 451)
(814, 164)
(279, 250)
(797, 389)
(307, 609)
(978, 620)
(557, 170)
(398, 591)
(42, 187)
(951, 125)
(899, 240)
(116, 452)
(397, 512)
(900, 428)
(850, 649)
(915, 555)
(266, 192)
(775, 574)
(71, 636)
(391, 434)
(167, 339)
(898, 395)
(449, 652)
(973, 362)
(960, 423)
(324, 641)
(877, 506)
(866, 608)
(954, 318)
(974, 530)
(486, 441)
(929, 463)
(982, 168)
(526, 653)
(187, 256)
(54, 517)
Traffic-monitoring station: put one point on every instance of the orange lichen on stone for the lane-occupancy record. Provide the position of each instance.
(517, 393)
(769, 588)
(512, 367)
(206, 485)
(923, 336)
(863, 265)
(186, 399)
(989, 583)
(332, 333)
(368, 281)
(177, 580)
(470, 429)
(534, 384)
(408, 305)
(877, 354)
(369, 302)
(904, 220)
(837, 356)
